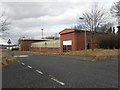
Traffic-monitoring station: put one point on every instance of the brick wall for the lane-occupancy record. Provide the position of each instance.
(26, 44)
(45, 50)
(77, 38)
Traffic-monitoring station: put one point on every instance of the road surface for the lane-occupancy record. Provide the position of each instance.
(39, 71)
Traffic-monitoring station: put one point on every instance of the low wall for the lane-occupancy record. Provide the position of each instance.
(46, 50)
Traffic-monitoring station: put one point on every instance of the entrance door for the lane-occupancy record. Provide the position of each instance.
(64, 48)
(67, 46)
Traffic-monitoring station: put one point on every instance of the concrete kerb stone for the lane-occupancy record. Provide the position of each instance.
(21, 56)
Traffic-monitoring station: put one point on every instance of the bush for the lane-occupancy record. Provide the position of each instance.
(6, 60)
(109, 41)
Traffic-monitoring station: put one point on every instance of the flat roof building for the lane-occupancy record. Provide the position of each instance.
(72, 40)
(51, 46)
(25, 44)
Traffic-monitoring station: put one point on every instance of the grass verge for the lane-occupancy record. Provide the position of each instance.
(7, 60)
(97, 54)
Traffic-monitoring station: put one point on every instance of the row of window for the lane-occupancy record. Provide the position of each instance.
(67, 48)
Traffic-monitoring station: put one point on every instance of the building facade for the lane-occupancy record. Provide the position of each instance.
(51, 46)
(70, 40)
(25, 44)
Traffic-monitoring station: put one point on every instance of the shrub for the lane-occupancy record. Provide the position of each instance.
(109, 41)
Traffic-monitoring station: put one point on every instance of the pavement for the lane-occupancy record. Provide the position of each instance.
(39, 71)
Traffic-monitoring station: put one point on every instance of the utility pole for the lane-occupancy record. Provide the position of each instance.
(85, 35)
(42, 33)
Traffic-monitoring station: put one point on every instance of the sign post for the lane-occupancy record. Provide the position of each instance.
(9, 42)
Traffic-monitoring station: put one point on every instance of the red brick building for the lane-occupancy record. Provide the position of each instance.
(25, 44)
(74, 40)
(70, 40)
(51, 46)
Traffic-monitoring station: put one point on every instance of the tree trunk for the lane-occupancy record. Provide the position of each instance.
(92, 39)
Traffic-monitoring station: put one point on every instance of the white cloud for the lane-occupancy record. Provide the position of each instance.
(28, 18)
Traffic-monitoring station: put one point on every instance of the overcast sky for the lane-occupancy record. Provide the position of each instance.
(28, 18)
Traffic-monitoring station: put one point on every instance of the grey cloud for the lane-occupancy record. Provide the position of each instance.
(21, 10)
(33, 14)
(28, 18)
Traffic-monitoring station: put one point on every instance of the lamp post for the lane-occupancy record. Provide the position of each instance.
(85, 35)
(42, 33)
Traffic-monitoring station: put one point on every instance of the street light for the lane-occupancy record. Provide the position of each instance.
(85, 34)
(42, 33)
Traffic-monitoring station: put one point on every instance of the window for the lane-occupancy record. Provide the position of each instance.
(67, 48)
(64, 48)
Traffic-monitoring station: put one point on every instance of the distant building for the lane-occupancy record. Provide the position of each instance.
(25, 44)
(51, 46)
(74, 40)
(4, 45)
(70, 40)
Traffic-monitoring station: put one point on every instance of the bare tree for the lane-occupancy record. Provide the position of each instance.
(55, 37)
(4, 23)
(115, 10)
(93, 18)
(105, 27)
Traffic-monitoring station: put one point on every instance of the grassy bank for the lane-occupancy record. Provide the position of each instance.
(6, 60)
(97, 54)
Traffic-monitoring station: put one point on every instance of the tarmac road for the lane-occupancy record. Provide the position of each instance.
(42, 71)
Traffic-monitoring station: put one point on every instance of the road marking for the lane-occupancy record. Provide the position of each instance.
(58, 81)
(39, 71)
(29, 66)
(18, 61)
(21, 56)
(23, 63)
